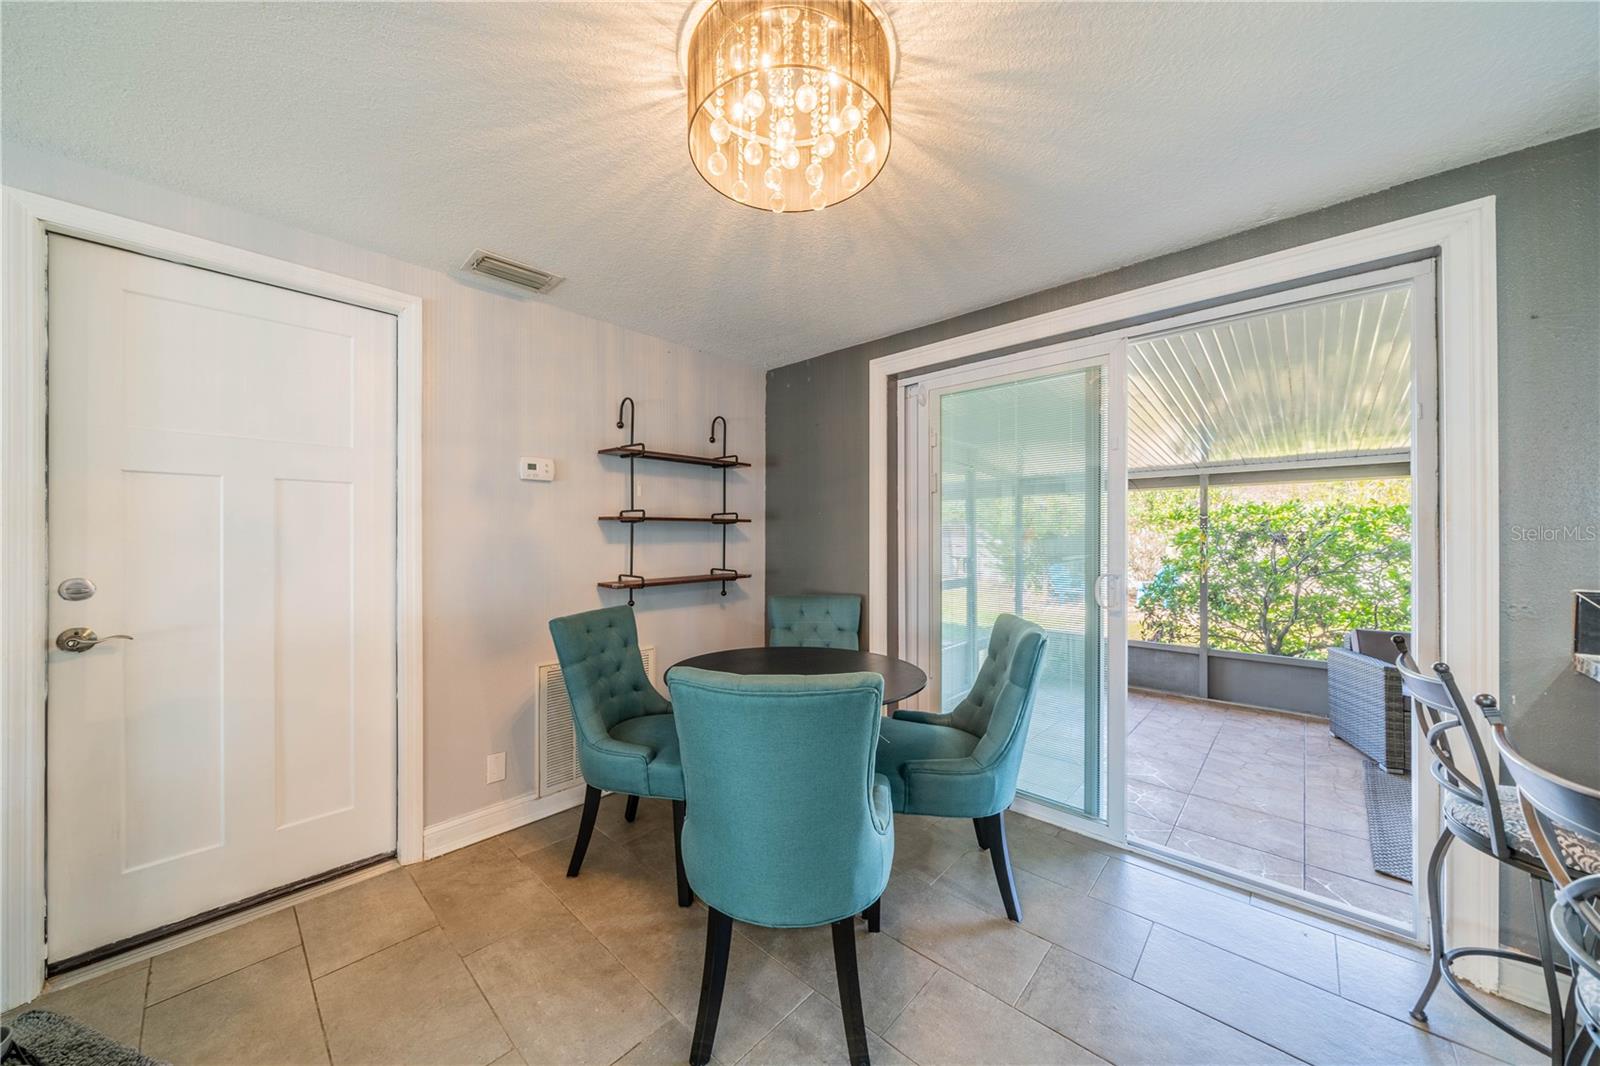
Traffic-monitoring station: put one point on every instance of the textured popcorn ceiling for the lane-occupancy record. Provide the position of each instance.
(1034, 143)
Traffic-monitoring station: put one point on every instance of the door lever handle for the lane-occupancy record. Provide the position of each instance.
(82, 638)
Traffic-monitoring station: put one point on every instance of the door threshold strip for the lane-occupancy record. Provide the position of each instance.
(91, 964)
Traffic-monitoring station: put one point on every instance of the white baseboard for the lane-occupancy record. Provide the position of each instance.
(497, 818)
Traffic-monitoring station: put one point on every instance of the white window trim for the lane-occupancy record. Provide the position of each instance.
(1463, 239)
(28, 220)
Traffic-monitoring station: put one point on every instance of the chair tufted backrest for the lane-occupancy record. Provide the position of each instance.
(779, 775)
(1001, 699)
(830, 621)
(603, 671)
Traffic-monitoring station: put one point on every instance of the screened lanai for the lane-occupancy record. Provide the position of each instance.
(1269, 515)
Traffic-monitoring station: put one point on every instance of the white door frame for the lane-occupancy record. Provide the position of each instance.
(24, 578)
(1463, 239)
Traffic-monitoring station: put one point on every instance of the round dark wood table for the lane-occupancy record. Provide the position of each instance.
(901, 680)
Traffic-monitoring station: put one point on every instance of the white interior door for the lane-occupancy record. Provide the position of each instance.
(1012, 503)
(222, 470)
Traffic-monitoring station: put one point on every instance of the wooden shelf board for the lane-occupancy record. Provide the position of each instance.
(673, 518)
(672, 457)
(656, 582)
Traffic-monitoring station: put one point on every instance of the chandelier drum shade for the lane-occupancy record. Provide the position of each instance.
(788, 99)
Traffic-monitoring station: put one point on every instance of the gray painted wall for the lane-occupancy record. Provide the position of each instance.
(1548, 213)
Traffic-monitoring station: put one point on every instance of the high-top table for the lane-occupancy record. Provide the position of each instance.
(1558, 731)
(901, 680)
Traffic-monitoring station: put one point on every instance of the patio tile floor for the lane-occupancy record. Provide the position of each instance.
(1271, 795)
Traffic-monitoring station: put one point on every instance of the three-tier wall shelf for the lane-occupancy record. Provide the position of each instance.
(632, 516)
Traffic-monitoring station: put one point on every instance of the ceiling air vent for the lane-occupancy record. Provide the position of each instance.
(511, 272)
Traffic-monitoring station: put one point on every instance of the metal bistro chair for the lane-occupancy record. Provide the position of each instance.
(1563, 821)
(1487, 818)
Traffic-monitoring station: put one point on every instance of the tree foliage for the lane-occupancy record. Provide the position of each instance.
(1288, 568)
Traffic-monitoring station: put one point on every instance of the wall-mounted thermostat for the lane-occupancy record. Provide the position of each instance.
(534, 468)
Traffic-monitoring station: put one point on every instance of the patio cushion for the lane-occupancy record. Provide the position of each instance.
(1580, 851)
(1589, 992)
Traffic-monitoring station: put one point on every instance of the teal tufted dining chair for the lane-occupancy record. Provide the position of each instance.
(789, 824)
(832, 621)
(626, 739)
(963, 764)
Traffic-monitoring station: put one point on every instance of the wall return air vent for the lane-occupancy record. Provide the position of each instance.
(558, 743)
(511, 272)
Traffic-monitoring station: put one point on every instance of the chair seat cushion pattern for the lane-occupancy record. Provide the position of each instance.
(626, 741)
(1580, 851)
(964, 764)
(814, 622)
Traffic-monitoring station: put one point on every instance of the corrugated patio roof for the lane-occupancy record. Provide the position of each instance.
(1311, 382)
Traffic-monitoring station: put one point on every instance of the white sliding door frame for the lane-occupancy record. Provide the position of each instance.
(1462, 241)
(28, 219)
(918, 532)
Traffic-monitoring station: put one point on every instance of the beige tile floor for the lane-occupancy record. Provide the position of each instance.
(491, 955)
(1273, 795)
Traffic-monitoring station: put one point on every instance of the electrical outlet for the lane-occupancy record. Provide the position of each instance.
(497, 768)
(536, 468)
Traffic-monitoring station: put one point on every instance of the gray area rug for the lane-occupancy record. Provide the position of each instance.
(1389, 828)
(55, 1040)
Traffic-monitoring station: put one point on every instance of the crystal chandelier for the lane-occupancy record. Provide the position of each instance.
(788, 99)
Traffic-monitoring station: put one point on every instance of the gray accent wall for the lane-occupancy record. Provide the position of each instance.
(1548, 215)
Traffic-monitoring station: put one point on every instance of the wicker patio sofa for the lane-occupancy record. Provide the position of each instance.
(1366, 708)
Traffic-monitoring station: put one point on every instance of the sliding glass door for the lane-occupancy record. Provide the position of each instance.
(1007, 511)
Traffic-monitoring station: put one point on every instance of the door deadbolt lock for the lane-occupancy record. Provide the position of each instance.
(74, 589)
(82, 638)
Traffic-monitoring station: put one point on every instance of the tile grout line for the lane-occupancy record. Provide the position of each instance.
(487, 1002)
(671, 1014)
(920, 989)
(211, 980)
(322, 1026)
(1153, 991)
(1337, 995)
(144, 1000)
(403, 940)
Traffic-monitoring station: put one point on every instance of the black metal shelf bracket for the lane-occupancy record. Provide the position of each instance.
(724, 513)
(630, 511)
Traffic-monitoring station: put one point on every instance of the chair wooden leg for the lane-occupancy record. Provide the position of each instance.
(844, 963)
(994, 831)
(977, 827)
(591, 808)
(685, 893)
(874, 916)
(632, 810)
(1435, 923)
(719, 935)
